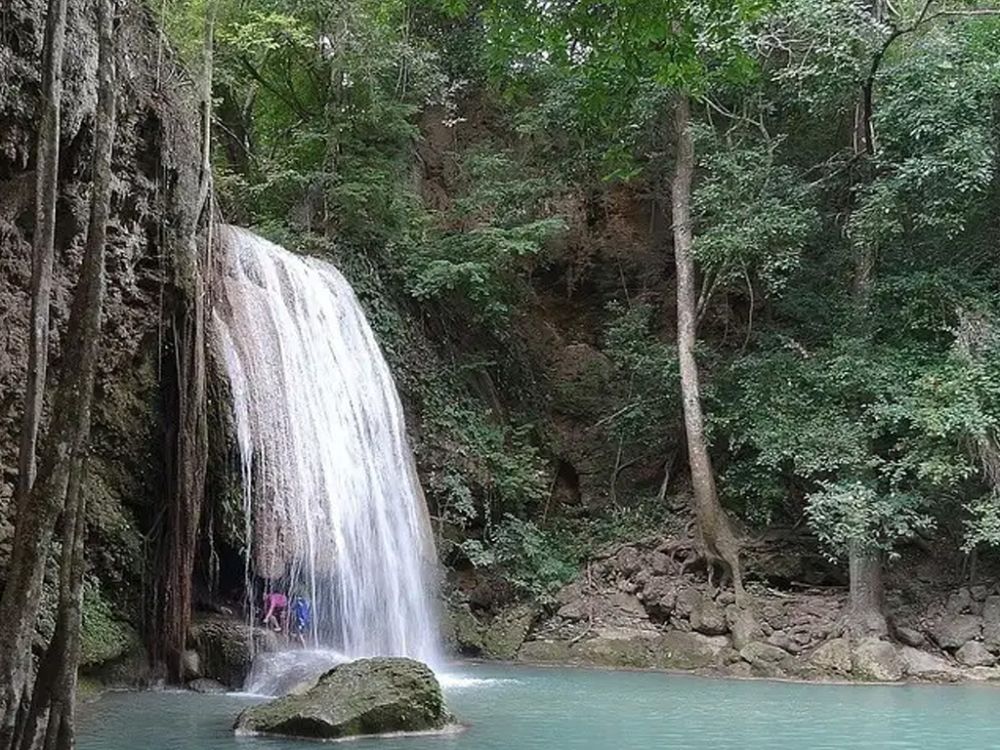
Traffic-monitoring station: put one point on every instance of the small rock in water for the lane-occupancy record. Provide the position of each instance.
(364, 697)
(205, 685)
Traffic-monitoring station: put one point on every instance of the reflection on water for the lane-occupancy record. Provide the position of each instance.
(511, 708)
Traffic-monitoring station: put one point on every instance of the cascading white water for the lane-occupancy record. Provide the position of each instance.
(334, 509)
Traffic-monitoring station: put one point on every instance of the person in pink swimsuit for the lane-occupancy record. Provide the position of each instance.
(275, 609)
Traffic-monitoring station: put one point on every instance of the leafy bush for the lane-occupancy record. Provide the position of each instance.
(536, 561)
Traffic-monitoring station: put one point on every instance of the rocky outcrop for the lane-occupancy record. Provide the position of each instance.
(155, 171)
(924, 666)
(633, 648)
(205, 685)
(364, 697)
(637, 607)
(767, 660)
(494, 637)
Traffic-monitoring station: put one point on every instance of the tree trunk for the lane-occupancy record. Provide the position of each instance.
(15, 629)
(866, 609)
(717, 541)
(53, 702)
(61, 467)
(184, 512)
(43, 241)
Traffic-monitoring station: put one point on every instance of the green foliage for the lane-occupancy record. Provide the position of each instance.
(755, 214)
(983, 524)
(103, 635)
(489, 469)
(342, 131)
(850, 513)
(478, 252)
(647, 417)
(537, 562)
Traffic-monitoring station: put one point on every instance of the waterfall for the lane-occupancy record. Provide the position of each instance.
(333, 506)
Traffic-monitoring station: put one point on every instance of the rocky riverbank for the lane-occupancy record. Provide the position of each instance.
(634, 607)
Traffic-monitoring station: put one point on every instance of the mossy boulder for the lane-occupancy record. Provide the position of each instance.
(227, 647)
(499, 637)
(503, 635)
(364, 697)
(876, 660)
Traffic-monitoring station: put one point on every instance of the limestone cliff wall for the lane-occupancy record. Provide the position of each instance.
(155, 160)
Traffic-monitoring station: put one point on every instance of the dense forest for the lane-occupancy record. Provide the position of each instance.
(617, 251)
(671, 289)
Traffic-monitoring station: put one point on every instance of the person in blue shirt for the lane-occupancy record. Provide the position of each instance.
(301, 618)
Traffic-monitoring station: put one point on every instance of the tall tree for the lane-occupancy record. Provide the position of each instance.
(667, 53)
(717, 541)
(28, 558)
(53, 703)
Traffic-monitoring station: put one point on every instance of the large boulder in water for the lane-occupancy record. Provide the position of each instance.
(226, 648)
(364, 697)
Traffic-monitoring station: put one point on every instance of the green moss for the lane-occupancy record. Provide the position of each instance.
(103, 636)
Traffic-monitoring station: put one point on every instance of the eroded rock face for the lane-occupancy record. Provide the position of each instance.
(364, 697)
(991, 636)
(708, 618)
(764, 655)
(678, 650)
(503, 636)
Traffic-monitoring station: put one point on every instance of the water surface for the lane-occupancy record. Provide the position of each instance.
(519, 708)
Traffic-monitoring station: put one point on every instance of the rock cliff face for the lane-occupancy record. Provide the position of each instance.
(155, 157)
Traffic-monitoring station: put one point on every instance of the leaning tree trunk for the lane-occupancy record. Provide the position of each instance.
(718, 542)
(53, 702)
(18, 622)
